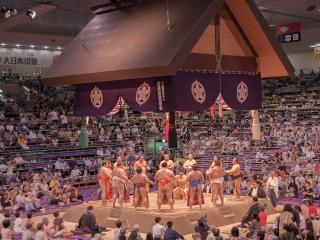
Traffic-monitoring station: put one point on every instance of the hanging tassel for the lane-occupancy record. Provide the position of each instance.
(160, 95)
(220, 110)
(212, 111)
(167, 127)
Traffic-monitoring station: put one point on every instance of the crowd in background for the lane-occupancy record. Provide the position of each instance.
(44, 117)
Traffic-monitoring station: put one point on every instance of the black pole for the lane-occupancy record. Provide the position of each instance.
(217, 35)
(173, 141)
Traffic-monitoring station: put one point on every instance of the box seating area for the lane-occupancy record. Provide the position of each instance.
(304, 103)
(40, 155)
(38, 160)
(306, 80)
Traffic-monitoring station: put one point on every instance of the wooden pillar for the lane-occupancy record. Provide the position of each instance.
(84, 139)
(255, 129)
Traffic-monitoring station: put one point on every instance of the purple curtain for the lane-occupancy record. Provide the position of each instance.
(186, 91)
(140, 94)
(96, 99)
(192, 91)
(241, 91)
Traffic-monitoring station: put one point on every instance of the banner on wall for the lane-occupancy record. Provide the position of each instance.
(290, 32)
(11, 60)
(27, 57)
(317, 53)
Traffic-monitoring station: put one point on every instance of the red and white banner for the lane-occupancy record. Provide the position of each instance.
(290, 32)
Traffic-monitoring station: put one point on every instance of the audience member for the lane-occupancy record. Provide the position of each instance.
(158, 228)
(28, 233)
(285, 217)
(40, 233)
(170, 233)
(6, 232)
(87, 221)
(19, 225)
(254, 208)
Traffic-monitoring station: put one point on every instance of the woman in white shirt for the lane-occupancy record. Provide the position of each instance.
(19, 225)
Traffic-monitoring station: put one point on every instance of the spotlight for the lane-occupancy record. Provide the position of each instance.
(59, 48)
(315, 45)
(32, 46)
(45, 47)
(31, 14)
(3, 44)
(18, 45)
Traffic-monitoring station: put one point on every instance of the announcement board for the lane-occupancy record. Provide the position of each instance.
(287, 33)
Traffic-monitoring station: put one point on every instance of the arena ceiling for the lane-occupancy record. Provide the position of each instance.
(56, 25)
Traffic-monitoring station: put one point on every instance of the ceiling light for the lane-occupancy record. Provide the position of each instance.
(27, 89)
(8, 12)
(262, 8)
(13, 11)
(315, 45)
(32, 46)
(3, 44)
(31, 14)
(59, 48)
(45, 47)
(311, 8)
(18, 45)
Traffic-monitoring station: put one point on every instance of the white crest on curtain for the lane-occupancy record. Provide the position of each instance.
(96, 97)
(143, 93)
(198, 92)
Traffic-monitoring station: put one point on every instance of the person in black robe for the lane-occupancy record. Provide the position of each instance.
(87, 221)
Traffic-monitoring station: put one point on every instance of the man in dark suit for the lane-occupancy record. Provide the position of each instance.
(254, 208)
(257, 191)
(171, 234)
(87, 221)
